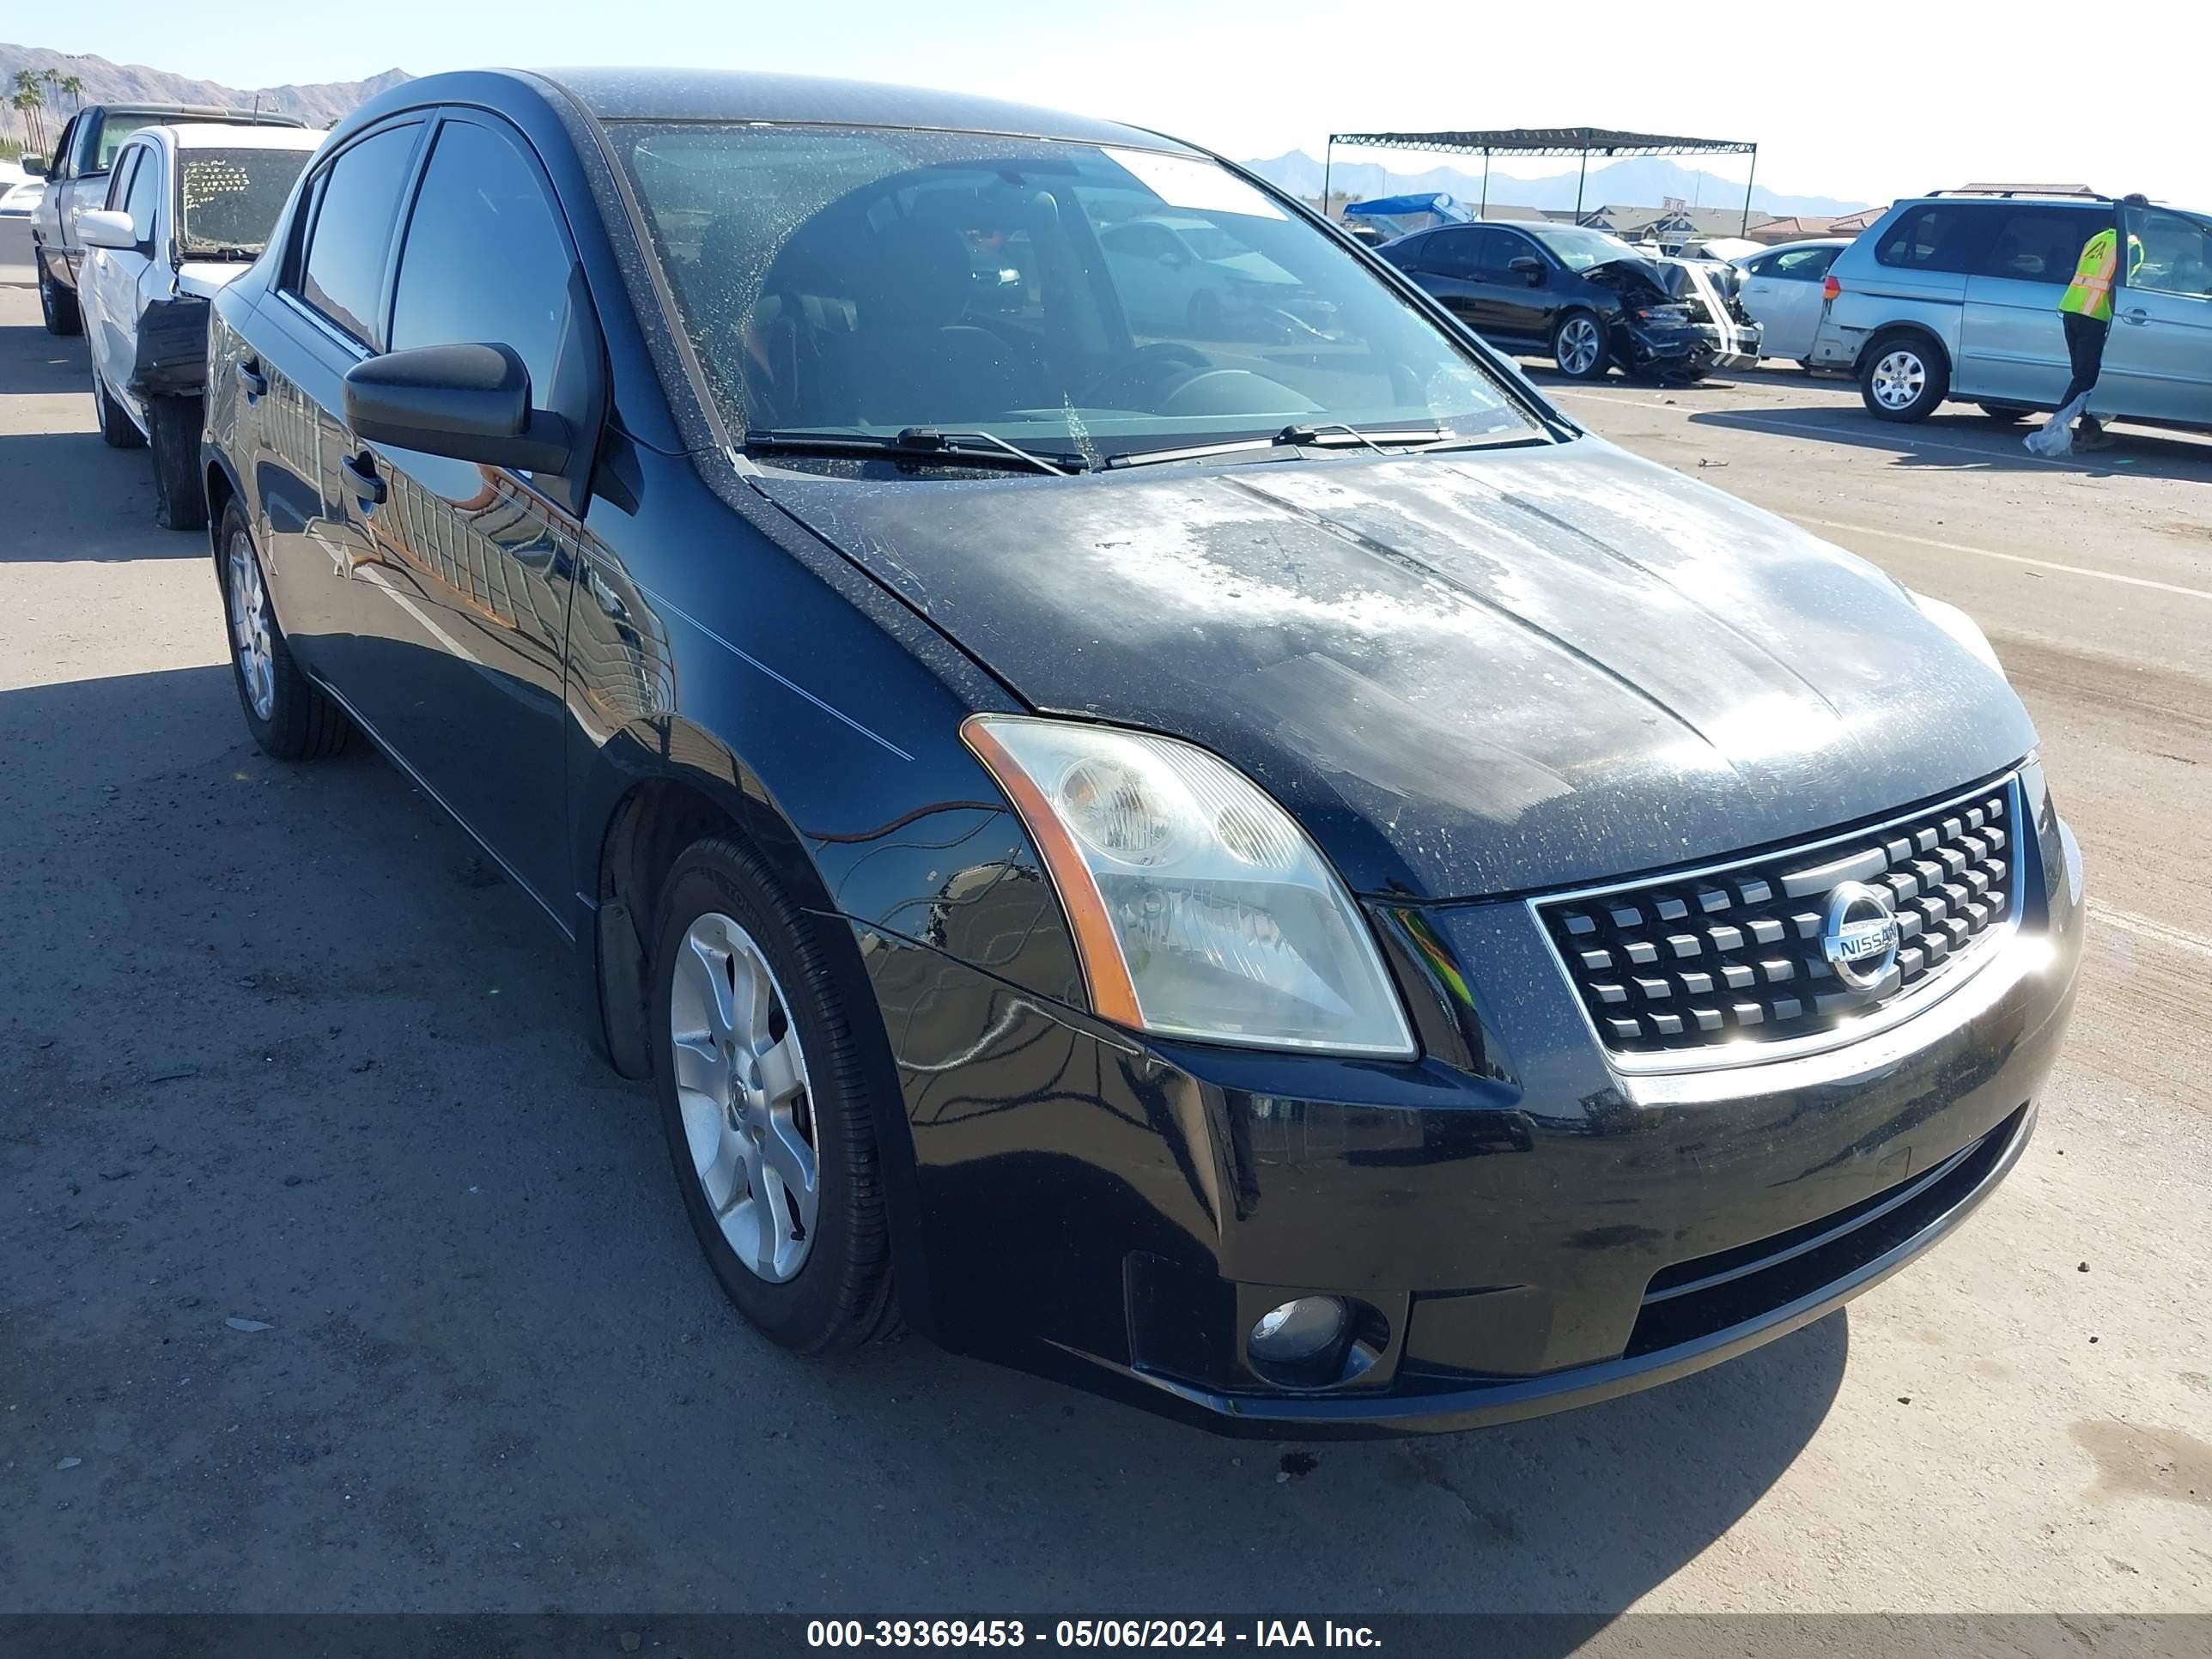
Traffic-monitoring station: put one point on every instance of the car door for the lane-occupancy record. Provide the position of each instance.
(2012, 347)
(1782, 292)
(321, 318)
(477, 563)
(118, 274)
(2158, 358)
(1448, 263)
(1514, 305)
(46, 217)
(96, 292)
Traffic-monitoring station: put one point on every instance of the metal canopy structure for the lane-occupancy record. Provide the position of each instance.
(1544, 140)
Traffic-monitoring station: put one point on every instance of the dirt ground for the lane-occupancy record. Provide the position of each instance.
(277, 1047)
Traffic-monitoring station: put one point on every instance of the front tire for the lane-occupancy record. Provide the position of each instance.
(56, 308)
(764, 1095)
(180, 490)
(1903, 378)
(1579, 346)
(290, 718)
(115, 428)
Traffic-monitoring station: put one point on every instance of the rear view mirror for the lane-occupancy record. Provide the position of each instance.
(470, 403)
(1530, 268)
(106, 228)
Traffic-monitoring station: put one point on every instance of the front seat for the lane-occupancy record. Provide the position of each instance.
(912, 360)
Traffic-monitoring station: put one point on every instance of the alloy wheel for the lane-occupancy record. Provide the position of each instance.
(1578, 345)
(1899, 377)
(249, 626)
(742, 1085)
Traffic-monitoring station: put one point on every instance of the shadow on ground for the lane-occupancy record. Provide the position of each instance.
(278, 1045)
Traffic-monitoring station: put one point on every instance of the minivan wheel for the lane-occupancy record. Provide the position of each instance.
(56, 309)
(1902, 378)
(180, 491)
(290, 718)
(763, 1096)
(115, 428)
(1579, 346)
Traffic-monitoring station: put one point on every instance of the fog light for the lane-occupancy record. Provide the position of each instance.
(1297, 1331)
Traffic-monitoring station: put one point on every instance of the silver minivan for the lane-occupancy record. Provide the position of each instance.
(1955, 296)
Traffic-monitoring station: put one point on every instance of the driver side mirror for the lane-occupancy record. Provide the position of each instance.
(106, 228)
(1529, 267)
(34, 166)
(1174, 258)
(469, 403)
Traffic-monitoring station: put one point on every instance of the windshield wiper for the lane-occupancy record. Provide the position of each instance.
(1310, 435)
(924, 443)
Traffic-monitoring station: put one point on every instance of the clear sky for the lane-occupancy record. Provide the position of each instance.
(1863, 98)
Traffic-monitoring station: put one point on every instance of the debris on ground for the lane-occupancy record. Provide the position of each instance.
(237, 1324)
(173, 1074)
(69, 1463)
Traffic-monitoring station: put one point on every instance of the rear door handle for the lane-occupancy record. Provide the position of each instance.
(250, 377)
(2138, 316)
(361, 469)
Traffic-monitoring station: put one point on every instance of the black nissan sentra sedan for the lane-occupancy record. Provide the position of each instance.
(1253, 867)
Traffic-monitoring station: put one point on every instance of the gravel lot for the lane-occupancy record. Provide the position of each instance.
(277, 1047)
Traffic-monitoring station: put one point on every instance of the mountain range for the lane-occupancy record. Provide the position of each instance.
(317, 105)
(1643, 181)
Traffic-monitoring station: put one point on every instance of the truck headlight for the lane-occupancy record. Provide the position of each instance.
(1201, 909)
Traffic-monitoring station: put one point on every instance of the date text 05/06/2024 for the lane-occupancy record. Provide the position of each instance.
(1085, 1633)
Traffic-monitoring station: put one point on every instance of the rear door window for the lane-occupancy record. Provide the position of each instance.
(342, 277)
(1454, 253)
(2036, 244)
(1933, 236)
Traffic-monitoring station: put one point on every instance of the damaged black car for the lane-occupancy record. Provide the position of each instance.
(1587, 299)
(1280, 880)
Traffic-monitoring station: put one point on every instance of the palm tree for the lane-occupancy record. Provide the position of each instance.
(28, 99)
(73, 85)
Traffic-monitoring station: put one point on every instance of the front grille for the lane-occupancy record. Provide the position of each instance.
(1732, 954)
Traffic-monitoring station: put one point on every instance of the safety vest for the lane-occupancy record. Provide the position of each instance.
(2090, 293)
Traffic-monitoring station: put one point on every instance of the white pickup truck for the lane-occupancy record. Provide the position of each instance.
(188, 208)
(76, 179)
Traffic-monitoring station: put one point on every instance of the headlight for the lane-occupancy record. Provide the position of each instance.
(1959, 626)
(1199, 909)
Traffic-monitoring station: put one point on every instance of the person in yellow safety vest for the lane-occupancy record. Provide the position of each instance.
(2085, 311)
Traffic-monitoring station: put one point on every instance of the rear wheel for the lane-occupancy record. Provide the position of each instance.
(180, 490)
(1903, 378)
(1579, 346)
(288, 715)
(115, 428)
(56, 305)
(763, 1091)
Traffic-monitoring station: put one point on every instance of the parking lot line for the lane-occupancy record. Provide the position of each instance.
(2009, 558)
(1776, 421)
(2157, 931)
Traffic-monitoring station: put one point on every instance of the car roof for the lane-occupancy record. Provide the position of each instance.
(214, 135)
(199, 112)
(688, 94)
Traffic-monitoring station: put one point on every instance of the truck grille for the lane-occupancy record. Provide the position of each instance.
(1732, 954)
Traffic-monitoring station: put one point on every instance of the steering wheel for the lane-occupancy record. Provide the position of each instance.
(1143, 372)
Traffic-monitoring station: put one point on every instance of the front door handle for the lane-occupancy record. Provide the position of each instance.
(2138, 316)
(250, 377)
(362, 470)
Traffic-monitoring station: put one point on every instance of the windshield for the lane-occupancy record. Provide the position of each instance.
(1057, 295)
(229, 199)
(1579, 249)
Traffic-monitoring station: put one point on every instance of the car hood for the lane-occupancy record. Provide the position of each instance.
(1467, 675)
(207, 277)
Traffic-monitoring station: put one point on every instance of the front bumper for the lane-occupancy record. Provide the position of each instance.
(1529, 1229)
